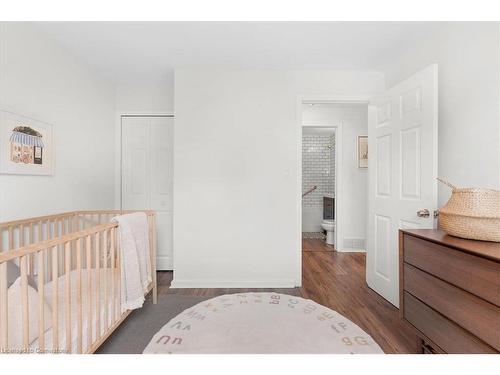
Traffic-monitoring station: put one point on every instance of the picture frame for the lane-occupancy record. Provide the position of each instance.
(362, 151)
(26, 145)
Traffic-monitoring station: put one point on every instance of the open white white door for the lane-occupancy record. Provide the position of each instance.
(402, 143)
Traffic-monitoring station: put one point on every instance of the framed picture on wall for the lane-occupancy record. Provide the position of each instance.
(362, 151)
(26, 145)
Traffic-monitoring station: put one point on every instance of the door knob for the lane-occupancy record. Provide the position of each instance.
(423, 213)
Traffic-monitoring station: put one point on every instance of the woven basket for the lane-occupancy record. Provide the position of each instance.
(471, 213)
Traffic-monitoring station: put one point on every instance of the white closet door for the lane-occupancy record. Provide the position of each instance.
(147, 161)
(162, 131)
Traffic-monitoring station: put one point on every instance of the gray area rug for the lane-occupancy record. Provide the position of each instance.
(136, 331)
(313, 235)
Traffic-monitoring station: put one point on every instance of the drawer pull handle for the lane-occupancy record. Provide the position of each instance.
(423, 213)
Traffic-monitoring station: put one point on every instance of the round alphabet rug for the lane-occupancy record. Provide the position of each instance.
(260, 323)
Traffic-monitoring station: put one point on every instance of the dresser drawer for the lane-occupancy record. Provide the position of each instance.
(472, 273)
(472, 313)
(447, 335)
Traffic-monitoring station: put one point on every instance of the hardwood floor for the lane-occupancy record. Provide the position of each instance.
(335, 280)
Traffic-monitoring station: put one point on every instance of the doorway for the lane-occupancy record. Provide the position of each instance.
(346, 121)
(147, 175)
(400, 178)
(319, 155)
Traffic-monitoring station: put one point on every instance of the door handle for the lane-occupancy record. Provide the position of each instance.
(423, 213)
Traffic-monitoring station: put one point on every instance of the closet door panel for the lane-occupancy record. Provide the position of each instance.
(136, 181)
(161, 163)
(161, 186)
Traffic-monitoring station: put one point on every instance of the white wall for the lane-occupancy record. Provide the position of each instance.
(40, 80)
(237, 172)
(354, 190)
(145, 97)
(468, 56)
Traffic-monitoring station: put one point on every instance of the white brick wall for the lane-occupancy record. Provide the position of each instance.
(318, 168)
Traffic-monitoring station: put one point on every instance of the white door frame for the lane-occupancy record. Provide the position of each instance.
(323, 99)
(162, 261)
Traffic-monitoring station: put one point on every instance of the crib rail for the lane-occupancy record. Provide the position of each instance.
(76, 257)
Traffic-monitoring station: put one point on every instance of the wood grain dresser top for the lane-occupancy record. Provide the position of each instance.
(486, 249)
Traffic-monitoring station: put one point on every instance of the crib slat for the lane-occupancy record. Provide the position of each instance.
(39, 238)
(75, 230)
(41, 302)
(62, 253)
(4, 340)
(79, 295)
(24, 301)
(113, 275)
(88, 245)
(11, 238)
(48, 233)
(153, 263)
(30, 239)
(72, 245)
(20, 236)
(51, 229)
(55, 301)
(67, 307)
(98, 286)
(105, 283)
(119, 272)
(150, 242)
(58, 253)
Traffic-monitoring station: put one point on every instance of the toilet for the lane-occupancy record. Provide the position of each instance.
(328, 223)
(329, 226)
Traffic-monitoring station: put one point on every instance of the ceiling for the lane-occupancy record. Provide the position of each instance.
(126, 52)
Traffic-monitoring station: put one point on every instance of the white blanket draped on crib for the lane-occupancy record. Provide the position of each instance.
(133, 237)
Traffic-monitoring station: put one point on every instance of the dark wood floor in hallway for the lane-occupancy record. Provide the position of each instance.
(335, 280)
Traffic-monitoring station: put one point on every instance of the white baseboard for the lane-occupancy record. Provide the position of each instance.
(164, 263)
(180, 283)
(352, 251)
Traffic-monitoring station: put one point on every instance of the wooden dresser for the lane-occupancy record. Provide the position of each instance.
(450, 291)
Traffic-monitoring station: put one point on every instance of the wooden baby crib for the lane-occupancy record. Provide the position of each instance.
(67, 296)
